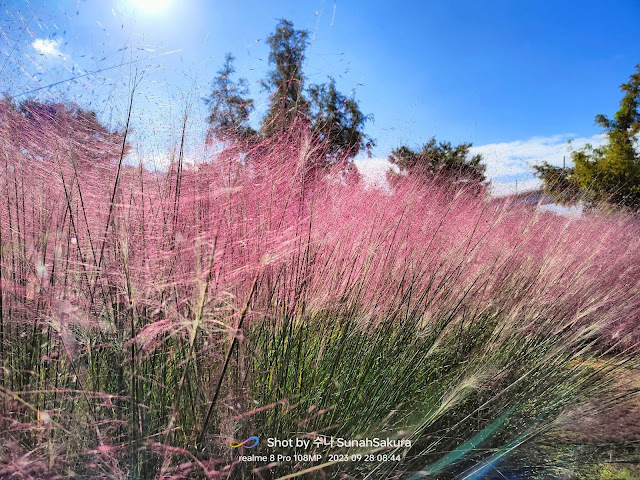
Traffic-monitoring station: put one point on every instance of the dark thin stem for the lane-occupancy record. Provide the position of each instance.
(243, 314)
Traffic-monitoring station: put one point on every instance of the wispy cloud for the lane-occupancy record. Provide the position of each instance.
(49, 47)
(499, 189)
(515, 158)
(507, 163)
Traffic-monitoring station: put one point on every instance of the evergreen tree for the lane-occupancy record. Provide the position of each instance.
(285, 80)
(229, 105)
(557, 183)
(441, 160)
(610, 173)
(338, 121)
(334, 122)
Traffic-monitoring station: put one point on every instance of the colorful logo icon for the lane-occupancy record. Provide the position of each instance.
(248, 443)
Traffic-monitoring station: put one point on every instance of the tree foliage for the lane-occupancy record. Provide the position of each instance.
(229, 105)
(40, 127)
(441, 159)
(610, 173)
(338, 121)
(285, 80)
(557, 183)
(333, 121)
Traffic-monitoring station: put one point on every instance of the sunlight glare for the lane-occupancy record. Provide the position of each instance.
(150, 5)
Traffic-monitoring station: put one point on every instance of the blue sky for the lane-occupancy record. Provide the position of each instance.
(516, 78)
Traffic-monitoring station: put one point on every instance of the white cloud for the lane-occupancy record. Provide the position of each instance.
(573, 211)
(374, 170)
(49, 47)
(515, 158)
(506, 161)
(499, 189)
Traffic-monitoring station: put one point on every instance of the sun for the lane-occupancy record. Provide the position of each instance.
(150, 5)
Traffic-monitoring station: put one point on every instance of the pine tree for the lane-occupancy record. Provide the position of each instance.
(229, 105)
(333, 122)
(285, 80)
(338, 121)
(440, 160)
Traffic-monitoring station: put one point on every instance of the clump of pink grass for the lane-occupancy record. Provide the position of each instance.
(130, 298)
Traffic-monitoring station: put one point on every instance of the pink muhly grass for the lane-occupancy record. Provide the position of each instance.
(122, 301)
